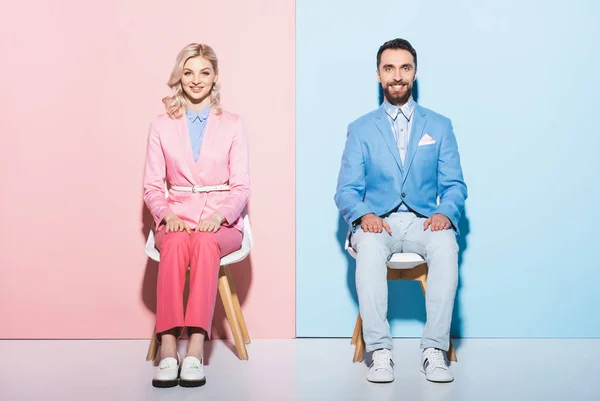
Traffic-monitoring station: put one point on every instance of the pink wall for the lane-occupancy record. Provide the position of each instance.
(80, 83)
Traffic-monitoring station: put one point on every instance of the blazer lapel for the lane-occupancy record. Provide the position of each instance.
(383, 125)
(416, 134)
(185, 145)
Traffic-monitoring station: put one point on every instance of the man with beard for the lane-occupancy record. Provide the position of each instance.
(401, 189)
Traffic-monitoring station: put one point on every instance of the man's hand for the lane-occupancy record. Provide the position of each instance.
(438, 222)
(371, 223)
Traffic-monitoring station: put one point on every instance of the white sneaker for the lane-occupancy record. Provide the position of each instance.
(382, 367)
(192, 372)
(435, 366)
(167, 373)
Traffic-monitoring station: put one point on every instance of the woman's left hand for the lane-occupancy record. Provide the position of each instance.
(212, 224)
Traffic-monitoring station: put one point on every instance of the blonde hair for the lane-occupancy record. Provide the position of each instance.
(176, 103)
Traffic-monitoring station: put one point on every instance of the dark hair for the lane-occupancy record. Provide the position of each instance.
(398, 43)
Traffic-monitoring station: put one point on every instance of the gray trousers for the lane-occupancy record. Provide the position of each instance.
(440, 250)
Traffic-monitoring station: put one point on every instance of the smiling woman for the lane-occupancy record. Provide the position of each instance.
(195, 75)
(199, 78)
(195, 143)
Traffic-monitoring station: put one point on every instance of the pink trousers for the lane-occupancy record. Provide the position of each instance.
(202, 252)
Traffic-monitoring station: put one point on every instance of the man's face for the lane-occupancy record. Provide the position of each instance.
(397, 73)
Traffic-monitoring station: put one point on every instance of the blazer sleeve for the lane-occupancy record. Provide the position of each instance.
(452, 189)
(351, 183)
(154, 177)
(239, 176)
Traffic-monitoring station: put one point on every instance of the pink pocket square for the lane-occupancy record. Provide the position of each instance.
(426, 140)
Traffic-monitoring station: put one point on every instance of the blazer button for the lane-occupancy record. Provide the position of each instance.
(403, 195)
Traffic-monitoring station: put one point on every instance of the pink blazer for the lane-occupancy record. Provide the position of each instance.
(223, 159)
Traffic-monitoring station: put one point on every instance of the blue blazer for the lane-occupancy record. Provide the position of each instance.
(373, 180)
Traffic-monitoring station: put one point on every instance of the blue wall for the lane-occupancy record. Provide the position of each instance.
(519, 80)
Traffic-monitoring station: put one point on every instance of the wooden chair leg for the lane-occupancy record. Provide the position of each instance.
(236, 331)
(451, 351)
(357, 329)
(423, 281)
(359, 349)
(153, 347)
(237, 306)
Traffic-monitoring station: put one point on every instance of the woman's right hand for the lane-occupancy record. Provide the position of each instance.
(174, 224)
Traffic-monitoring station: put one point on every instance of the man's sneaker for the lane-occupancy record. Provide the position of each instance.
(435, 367)
(192, 372)
(382, 367)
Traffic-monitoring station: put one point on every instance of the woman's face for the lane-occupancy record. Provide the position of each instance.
(198, 79)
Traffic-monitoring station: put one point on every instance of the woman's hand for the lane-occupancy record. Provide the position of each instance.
(212, 224)
(174, 224)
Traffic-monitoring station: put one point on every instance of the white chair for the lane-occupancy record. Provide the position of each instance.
(401, 266)
(227, 291)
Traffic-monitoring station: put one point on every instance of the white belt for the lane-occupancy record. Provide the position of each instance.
(199, 188)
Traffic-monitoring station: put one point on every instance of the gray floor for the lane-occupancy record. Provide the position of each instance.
(302, 369)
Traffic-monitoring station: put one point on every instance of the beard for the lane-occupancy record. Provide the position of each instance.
(397, 99)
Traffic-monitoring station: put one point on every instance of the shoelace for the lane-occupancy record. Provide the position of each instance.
(381, 361)
(194, 365)
(436, 359)
(164, 366)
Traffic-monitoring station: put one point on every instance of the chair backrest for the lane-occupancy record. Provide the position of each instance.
(247, 245)
(348, 247)
(150, 247)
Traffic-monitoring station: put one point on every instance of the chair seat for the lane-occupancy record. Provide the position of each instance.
(401, 261)
(229, 259)
(398, 261)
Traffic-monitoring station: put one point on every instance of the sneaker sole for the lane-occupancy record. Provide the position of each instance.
(164, 383)
(192, 383)
(439, 381)
(380, 381)
(436, 381)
